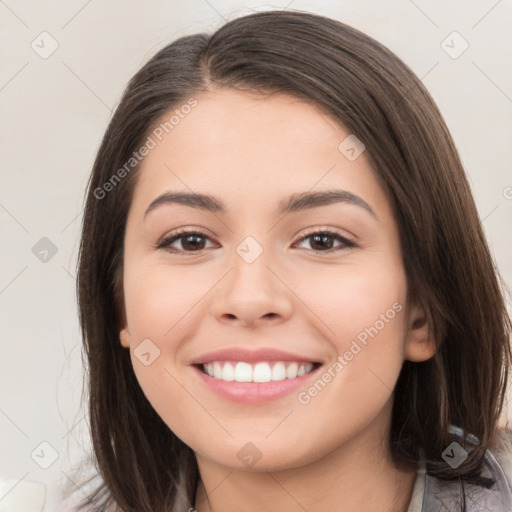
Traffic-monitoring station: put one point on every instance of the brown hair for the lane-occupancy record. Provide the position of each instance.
(449, 268)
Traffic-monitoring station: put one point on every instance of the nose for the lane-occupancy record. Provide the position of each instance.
(253, 293)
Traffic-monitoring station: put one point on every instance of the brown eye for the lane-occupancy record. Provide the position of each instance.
(194, 241)
(191, 241)
(323, 241)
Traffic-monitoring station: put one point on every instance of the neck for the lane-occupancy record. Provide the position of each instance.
(359, 475)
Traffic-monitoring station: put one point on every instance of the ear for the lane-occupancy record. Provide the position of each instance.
(124, 337)
(420, 343)
(124, 334)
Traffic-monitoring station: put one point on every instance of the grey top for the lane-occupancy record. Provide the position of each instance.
(431, 494)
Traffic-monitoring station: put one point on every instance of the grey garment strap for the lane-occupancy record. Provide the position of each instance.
(447, 496)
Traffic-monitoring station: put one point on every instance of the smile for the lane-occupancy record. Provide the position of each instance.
(256, 384)
(262, 372)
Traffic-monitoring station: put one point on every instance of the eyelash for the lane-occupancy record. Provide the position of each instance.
(166, 242)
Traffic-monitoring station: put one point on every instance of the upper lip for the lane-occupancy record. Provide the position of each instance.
(250, 355)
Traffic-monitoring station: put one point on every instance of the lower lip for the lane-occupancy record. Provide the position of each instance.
(254, 392)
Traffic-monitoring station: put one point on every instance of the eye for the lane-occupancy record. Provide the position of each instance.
(191, 241)
(324, 240)
(194, 240)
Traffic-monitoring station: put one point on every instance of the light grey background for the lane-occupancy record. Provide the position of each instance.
(55, 111)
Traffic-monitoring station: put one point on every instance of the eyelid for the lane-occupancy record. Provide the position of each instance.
(182, 232)
(315, 229)
(326, 229)
(347, 242)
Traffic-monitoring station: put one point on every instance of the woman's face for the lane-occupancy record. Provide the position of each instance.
(263, 276)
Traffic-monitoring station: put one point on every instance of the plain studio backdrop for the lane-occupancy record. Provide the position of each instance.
(63, 68)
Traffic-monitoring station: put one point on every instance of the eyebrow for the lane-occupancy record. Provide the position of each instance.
(294, 203)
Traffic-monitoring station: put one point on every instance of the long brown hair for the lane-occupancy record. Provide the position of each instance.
(449, 268)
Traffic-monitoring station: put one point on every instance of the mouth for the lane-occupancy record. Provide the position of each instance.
(257, 372)
(254, 375)
(257, 383)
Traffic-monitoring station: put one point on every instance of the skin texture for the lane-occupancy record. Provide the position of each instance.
(253, 151)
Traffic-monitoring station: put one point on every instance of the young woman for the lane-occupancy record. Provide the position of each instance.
(286, 296)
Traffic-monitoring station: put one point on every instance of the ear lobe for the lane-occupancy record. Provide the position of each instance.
(420, 343)
(124, 337)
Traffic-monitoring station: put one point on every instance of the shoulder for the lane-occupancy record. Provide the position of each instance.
(432, 494)
(501, 449)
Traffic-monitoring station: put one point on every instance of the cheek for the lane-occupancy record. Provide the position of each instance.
(160, 311)
(161, 305)
(361, 312)
(160, 300)
(353, 297)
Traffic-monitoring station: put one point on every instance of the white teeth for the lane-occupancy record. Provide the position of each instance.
(292, 370)
(278, 372)
(259, 372)
(228, 372)
(243, 372)
(217, 370)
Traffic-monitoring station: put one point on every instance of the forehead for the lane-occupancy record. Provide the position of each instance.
(247, 145)
(240, 123)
